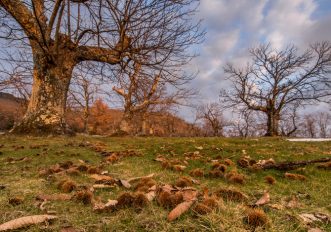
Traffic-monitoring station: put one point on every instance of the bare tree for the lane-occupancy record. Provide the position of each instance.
(16, 76)
(289, 121)
(212, 117)
(83, 91)
(323, 122)
(143, 92)
(276, 79)
(62, 34)
(245, 125)
(309, 126)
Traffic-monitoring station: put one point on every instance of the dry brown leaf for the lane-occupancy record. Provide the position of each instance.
(151, 193)
(276, 206)
(102, 186)
(195, 181)
(179, 210)
(25, 221)
(179, 168)
(190, 194)
(167, 188)
(315, 217)
(111, 204)
(160, 159)
(315, 230)
(54, 197)
(125, 184)
(293, 203)
(101, 177)
(265, 199)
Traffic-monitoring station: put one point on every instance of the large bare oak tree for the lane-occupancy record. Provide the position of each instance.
(277, 79)
(64, 33)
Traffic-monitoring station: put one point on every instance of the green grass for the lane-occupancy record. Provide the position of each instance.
(22, 179)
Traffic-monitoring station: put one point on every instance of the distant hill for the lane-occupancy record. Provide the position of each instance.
(103, 120)
(11, 110)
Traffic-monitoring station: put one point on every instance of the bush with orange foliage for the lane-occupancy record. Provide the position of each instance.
(102, 119)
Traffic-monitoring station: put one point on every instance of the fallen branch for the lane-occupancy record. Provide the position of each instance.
(285, 166)
(140, 177)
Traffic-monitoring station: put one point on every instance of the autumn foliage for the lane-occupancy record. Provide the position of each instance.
(106, 121)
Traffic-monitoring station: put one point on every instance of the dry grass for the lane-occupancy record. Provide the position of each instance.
(41, 172)
(231, 195)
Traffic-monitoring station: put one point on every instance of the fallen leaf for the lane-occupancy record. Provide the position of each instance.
(42, 205)
(276, 206)
(111, 204)
(167, 188)
(265, 199)
(125, 184)
(293, 203)
(54, 197)
(179, 168)
(160, 159)
(194, 181)
(102, 186)
(315, 230)
(25, 221)
(179, 210)
(101, 177)
(313, 217)
(151, 196)
(190, 194)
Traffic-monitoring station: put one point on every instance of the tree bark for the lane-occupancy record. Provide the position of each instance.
(125, 126)
(86, 119)
(47, 106)
(144, 128)
(272, 124)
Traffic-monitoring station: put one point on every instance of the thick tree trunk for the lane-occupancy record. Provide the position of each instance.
(46, 109)
(272, 124)
(125, 126)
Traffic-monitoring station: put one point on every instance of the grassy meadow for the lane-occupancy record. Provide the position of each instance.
(23, 161)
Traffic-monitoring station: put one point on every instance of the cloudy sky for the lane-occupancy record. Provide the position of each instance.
(233, 26)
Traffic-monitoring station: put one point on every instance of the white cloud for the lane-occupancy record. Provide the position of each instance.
(287, 21)
(233, 26)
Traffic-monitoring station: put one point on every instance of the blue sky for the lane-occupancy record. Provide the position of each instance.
(233, 26)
